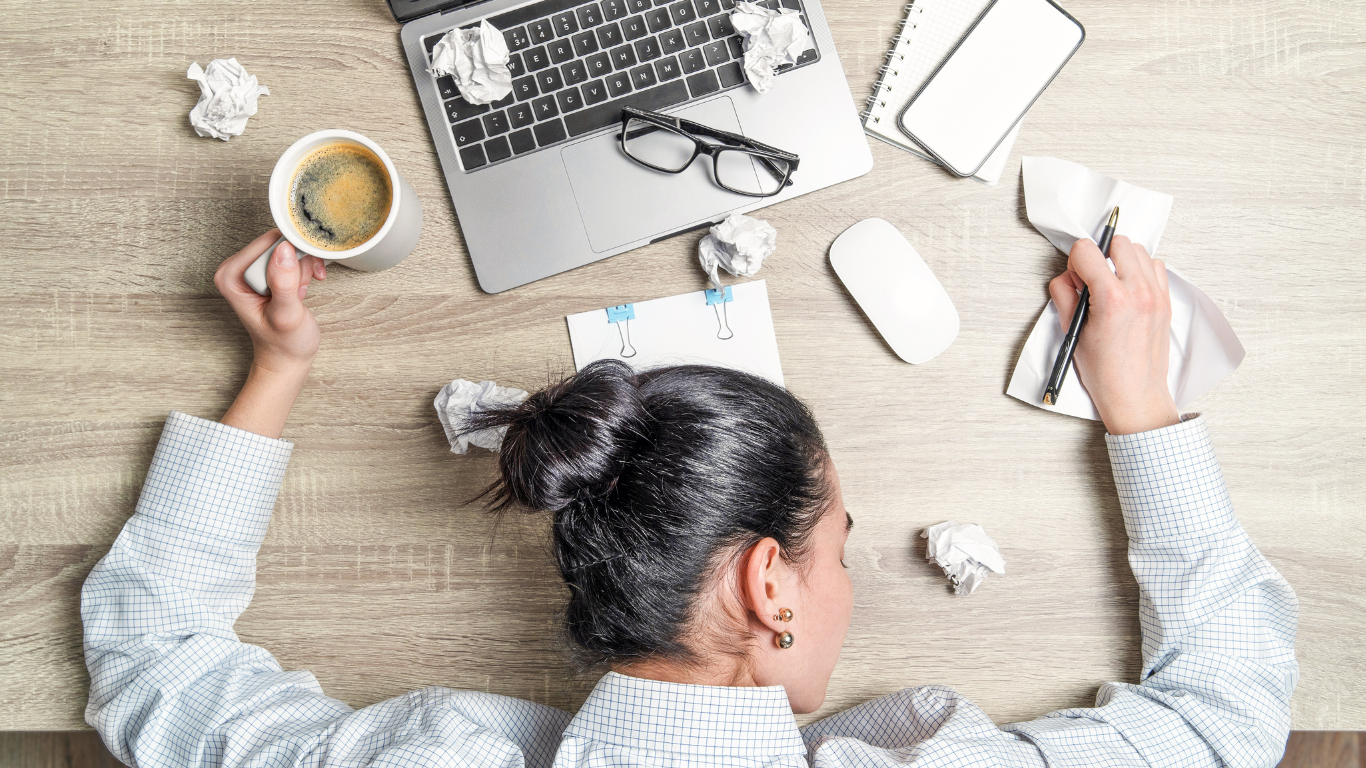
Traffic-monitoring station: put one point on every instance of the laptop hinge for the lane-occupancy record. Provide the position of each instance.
(405, 11)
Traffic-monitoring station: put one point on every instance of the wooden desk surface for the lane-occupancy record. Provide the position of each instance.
(379, 578)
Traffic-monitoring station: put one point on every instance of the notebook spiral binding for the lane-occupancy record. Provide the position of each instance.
(889, 72)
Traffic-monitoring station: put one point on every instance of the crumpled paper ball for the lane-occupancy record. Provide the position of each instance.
(739, 245)
(477, 59)
(457, 401)
(965, 552)
(227, 97)
(772, 38)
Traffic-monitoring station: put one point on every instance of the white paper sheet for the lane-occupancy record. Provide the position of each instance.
(684, 330)
(1066, 201)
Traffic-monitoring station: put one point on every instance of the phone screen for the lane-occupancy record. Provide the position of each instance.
(988, 82)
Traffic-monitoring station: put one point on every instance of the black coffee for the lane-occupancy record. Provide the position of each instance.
(340, 196)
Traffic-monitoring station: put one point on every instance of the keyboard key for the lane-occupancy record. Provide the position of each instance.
(497, 149)
(613, 9)
(495, 123)
(594, 92)
(647, 49)
(663, 2)
(524, 87)
(545, 108)
(516, 39)
(720, 26)
(637, 6)
(793, 4)
(515, 65)
(808, 56)
(522, 141)
(549, 80)
(589, 16)
(561, 51)
(574, 72)
(536, 58)
(695, 34)
(459, 109)
(716, 53)
(472, 157)
(672, 41)
(706, 7)
(541, 31)
(599, 64)
(634, 27)
(569, 99)
(618, 84)
(521, 115)
(468, 132)
(504, 102)
(643, 77)
(692, 61)
(609, 36)
(703, 83)
(727, 5)
(682, 12)
(772, 5)
(668, 69)
(731, 74)
(623, 57)
(737, 47)
(658, 19)
(565, 23)
(584, 43)
(609, 113)
(430, 42)
(549, 133)
(446, 87)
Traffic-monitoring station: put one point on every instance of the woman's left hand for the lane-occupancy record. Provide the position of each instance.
(284, 333)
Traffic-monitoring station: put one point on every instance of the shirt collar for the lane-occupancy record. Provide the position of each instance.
(674, 717)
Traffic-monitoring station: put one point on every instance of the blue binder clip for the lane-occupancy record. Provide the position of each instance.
(621, 316)
(718, 300)
(718, 297)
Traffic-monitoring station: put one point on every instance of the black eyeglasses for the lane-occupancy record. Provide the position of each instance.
(739, 164)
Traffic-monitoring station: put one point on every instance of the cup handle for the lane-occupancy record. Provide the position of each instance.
(256, 273)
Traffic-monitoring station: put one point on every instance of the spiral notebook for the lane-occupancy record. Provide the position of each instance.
(929, 32)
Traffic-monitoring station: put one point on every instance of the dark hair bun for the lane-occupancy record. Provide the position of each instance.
(569, 442)
(650, 476)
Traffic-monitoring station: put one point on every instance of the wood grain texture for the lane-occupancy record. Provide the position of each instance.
(378, 577)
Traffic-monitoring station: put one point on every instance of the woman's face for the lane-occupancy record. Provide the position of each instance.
(823, 602)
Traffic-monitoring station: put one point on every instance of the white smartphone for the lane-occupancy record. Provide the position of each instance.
(987, 83)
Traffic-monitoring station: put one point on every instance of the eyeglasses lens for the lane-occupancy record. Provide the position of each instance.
(751, 174)
(657, 146)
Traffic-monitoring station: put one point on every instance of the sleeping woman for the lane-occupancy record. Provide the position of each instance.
(698, 524)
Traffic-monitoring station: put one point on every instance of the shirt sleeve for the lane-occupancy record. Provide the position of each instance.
(171, 684)
(1218, 626)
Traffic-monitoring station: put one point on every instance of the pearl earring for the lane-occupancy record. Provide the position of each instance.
(784, 639)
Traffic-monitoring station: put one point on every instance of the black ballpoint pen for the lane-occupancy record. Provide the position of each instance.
(1069, 342)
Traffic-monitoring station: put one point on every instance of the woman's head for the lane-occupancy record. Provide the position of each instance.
(691, 505)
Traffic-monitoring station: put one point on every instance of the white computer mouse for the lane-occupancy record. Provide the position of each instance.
(896, 289)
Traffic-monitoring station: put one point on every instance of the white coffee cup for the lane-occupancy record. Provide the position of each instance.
(390, 245)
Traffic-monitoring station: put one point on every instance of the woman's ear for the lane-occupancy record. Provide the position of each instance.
(764, 580)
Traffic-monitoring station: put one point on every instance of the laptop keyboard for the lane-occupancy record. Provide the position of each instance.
(575, 65)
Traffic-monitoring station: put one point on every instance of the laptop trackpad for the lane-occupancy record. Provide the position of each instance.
(622, 201)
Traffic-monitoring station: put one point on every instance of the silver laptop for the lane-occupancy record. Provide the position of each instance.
(539, 180)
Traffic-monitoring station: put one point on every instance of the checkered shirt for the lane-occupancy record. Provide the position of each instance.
(171, 685)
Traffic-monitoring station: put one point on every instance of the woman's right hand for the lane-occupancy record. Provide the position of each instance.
(1123, 350)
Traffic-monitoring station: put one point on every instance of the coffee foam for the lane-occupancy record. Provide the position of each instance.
(340, 196)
